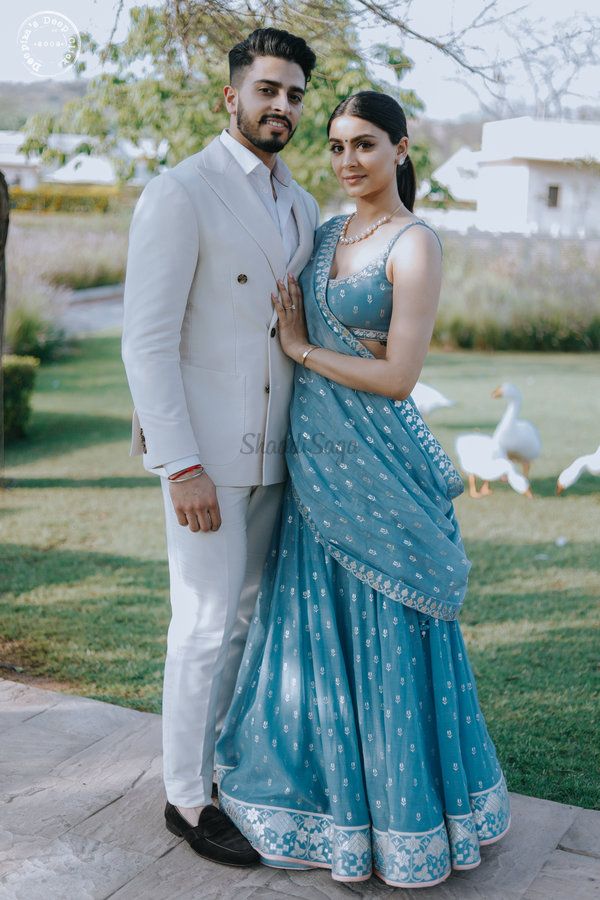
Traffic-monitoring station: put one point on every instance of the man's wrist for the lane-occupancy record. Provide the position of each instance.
(171, 467)
(188, 473)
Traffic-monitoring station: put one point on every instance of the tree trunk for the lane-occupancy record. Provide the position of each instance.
(4, 216)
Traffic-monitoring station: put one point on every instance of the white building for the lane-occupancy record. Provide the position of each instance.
(18, 169)
(534, 177)
(460, 174)
(28, 172)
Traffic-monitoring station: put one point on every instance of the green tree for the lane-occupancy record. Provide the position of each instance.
(165, 80)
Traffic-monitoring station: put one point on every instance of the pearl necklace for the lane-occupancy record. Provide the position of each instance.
(367, 232)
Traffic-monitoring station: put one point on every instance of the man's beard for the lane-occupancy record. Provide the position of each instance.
(250, 131)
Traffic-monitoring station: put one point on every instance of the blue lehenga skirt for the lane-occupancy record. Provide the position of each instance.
(355, 740)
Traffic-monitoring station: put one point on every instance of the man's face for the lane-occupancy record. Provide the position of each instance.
(266, 103)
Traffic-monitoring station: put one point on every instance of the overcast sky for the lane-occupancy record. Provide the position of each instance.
(433, 77)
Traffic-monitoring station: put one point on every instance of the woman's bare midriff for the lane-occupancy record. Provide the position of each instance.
(376, 348)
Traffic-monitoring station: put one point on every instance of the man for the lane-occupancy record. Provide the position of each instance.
(211, 387)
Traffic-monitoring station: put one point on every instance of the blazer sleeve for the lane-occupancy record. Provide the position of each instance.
(162, 257)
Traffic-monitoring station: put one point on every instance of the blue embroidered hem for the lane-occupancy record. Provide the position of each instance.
(294, 839)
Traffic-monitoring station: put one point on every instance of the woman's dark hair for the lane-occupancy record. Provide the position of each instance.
(387, 114)
(271, 42)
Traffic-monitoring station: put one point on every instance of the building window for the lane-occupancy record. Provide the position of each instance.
(553, 195)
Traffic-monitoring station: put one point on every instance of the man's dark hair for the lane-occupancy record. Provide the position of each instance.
(271, 42)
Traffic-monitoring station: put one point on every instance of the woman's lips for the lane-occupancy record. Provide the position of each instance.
(353, 179)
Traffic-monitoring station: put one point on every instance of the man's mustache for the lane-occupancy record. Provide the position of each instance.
(277, 119)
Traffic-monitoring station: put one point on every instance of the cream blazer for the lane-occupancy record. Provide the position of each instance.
(206, 371)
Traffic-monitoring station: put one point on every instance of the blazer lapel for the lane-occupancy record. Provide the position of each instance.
(306, 237)
(233, 188)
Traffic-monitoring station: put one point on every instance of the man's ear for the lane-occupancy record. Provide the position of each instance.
(230, 95)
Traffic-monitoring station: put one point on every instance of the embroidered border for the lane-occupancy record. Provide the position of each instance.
(369, 333)
(401, 859)
(407, 408)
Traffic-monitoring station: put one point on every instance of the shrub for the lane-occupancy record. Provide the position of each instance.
(88, 274)
(507, 292)
(72, 198)
(18, 380)
(29, 333)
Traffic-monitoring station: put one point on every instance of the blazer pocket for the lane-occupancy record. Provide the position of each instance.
(216, 403)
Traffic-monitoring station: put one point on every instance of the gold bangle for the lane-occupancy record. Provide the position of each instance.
(306, 352)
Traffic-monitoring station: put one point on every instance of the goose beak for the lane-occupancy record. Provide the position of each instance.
(497, 392)
(559, 488)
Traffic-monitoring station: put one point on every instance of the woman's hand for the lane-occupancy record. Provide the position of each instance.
(292, 325)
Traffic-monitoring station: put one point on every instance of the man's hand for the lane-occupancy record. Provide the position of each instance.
(195, 503)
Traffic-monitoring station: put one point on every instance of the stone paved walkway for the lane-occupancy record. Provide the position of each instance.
(81, 803)
(93, 309)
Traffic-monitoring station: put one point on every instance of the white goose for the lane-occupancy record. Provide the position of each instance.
(478, 459)
(428, 399)
(515, 439)
(568, 477)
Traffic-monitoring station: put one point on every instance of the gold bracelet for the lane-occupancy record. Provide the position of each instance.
(306, 352)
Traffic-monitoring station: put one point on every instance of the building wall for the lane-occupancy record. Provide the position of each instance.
(24, 176)
(503, 193)
(578, 209)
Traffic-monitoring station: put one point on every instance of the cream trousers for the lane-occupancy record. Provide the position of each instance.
(214, 578)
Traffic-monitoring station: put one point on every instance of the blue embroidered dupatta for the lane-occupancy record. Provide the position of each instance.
(371, 481)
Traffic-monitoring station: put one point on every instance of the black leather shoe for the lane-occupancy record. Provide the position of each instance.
(214, 837)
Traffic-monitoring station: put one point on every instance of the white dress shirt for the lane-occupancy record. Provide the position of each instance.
(264, 181)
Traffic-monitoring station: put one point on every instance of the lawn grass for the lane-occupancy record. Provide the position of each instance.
(86, 586)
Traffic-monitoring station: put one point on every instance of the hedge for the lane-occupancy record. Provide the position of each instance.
(542, 332)
(72, 198)
(18, 374)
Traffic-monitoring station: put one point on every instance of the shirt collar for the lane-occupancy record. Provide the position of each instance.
(249, 162)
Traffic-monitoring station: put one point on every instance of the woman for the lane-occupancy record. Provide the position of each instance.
(355, 740)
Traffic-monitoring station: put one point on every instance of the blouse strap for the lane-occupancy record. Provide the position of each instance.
(410, 225)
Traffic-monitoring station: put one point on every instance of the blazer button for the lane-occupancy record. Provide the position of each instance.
(273, 332)
(242, 279)
(267, 388)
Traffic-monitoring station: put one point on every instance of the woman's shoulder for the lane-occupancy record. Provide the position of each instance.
(418, 234)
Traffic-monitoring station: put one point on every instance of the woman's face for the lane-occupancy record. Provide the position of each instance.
(363, 157)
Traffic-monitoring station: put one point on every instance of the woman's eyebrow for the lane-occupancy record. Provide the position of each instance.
(360, 137)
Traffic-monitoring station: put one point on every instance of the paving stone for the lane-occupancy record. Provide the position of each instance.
(117, 761)
(584, 834)
(72, 868)
(79, 715)
(566, 875)
(19, 702)
(30, 750)
(82, 819)
(182, 875)
(15, 848)
(510, 865)
(135, 821)
(49, 806)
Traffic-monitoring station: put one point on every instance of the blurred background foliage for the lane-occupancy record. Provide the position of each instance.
(166, 81)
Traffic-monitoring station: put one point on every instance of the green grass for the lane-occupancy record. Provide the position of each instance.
(86, 599)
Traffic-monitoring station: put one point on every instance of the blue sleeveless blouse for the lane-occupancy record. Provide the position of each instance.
(362, 301)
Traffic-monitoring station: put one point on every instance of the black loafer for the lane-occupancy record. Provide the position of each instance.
(215, 836)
